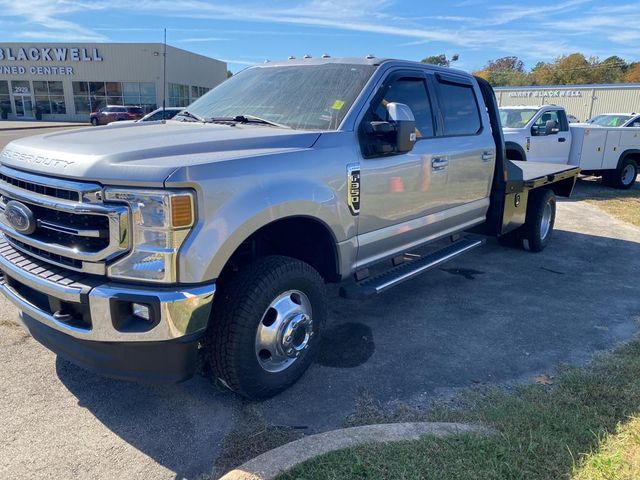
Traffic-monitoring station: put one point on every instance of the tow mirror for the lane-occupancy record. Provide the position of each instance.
(550, 127)
(405, 124)
(397, 135)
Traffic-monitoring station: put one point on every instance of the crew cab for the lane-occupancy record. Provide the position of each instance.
(608, 147)
(130, 250)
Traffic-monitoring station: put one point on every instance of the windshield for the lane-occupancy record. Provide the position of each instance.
(314, 97)
(516, 118)
(610, 120)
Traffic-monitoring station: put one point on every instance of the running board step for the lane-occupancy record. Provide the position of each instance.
(396, 275)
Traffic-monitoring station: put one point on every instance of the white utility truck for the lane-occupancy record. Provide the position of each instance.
(543, 134)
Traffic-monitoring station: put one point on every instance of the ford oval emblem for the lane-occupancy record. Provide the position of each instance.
(20, 217)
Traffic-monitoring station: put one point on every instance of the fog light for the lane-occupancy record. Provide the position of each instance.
(141, 311)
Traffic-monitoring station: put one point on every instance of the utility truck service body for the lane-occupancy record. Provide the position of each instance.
(543, 134)
(130, 249)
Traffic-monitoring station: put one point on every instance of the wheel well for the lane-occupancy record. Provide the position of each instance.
(303, 238)
(633, 155)
(514, 151)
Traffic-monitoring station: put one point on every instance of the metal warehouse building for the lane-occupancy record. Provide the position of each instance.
(61, 81)
(581, 101)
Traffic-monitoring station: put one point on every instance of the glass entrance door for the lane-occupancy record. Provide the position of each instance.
(24, 106)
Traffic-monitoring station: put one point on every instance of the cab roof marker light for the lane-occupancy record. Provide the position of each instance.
(306, 55)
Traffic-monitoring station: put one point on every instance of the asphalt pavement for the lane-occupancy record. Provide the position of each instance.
(495, 316)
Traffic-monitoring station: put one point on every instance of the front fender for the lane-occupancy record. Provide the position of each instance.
(231, 207)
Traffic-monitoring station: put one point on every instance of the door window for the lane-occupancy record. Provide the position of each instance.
(555, 115)
(460, 115)
(413, 93)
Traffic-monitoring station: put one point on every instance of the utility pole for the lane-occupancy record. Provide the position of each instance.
(164, 75)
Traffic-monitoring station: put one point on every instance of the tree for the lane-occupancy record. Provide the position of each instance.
(610, 70)
(440, 60)
(504, 71)
(633, 73)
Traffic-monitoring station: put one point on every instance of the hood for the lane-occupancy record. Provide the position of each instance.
(146, 153)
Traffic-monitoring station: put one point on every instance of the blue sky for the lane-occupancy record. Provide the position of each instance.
(247, 32)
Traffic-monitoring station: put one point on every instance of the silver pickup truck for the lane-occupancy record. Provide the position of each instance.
(132, 250)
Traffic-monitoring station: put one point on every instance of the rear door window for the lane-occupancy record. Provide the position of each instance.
(458, 107)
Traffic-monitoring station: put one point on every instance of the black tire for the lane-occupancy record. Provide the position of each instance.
(94, 122)
(535, 237)
(621, 178)
(240, 307)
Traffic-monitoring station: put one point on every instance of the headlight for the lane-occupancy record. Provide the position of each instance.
(161, 221)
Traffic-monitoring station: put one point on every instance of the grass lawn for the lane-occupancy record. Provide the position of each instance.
(622, 204)
(583, 424)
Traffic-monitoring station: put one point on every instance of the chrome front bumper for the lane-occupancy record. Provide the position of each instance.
(178, 311)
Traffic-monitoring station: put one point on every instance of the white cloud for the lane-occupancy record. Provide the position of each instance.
(46, 16)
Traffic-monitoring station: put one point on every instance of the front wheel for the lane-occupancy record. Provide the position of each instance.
(541, 217)
(94, 121)
(265, 326)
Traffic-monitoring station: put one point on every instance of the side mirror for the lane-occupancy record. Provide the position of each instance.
(402, 118)
(550, 127)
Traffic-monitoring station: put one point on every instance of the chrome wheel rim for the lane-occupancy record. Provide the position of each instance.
(284, 331)
(628, 174)
(545, 223)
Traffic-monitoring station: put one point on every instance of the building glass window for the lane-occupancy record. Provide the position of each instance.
(5, 101)
(92, 96)
(183, 95)
(178, 95)
(49, 97)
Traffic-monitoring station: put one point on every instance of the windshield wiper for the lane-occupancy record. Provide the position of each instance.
(187, 114)
(254, 119)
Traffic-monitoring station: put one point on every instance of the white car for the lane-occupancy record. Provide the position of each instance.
(615, 120)
(157, 115)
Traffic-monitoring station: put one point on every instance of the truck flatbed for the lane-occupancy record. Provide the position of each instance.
(522, 174)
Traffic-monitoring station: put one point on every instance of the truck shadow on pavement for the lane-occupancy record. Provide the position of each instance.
(526, 314)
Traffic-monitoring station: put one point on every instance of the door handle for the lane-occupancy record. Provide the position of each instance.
(486, 156)
(439, 163)
(562, 139)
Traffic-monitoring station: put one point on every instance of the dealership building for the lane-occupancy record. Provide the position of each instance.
(581, 101)
(63, 81)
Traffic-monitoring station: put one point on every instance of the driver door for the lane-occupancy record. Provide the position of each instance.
(553, 148)
(400, 191)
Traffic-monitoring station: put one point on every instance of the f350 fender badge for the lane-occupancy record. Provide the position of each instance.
(353, 186)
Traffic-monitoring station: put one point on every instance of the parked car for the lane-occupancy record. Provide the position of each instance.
(145, 249)
(543, 134)
(114, 113)
(615, 120)
(158, 114)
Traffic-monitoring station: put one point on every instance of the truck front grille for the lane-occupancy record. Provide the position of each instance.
(73, 227)
(41, 189)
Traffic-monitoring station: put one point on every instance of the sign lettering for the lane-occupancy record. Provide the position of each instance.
(49, 54)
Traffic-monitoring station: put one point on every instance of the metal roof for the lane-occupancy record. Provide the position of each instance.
(586, 86)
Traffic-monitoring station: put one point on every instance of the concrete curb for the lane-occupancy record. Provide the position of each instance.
(39, 127)
(277, 461)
